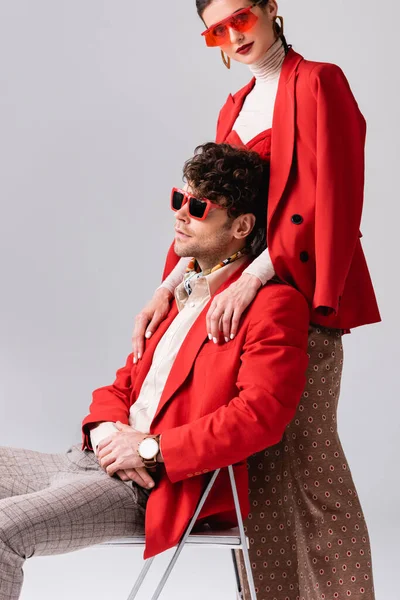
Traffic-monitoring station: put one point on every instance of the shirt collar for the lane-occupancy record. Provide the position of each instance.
(205, 286)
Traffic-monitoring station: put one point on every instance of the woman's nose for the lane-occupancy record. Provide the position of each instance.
(235, 36)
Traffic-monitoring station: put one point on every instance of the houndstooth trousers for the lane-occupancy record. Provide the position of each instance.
(57, 503)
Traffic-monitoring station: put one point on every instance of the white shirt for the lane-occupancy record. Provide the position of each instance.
(143, 410)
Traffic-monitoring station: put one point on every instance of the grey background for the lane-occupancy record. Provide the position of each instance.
(100, 103)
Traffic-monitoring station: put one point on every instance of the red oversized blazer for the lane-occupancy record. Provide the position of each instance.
(316, 191)
(221, 403)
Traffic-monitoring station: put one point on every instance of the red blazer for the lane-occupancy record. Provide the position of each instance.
(317, 176)
(221, 403)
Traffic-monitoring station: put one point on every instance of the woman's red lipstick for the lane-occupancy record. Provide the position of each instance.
(245, 49)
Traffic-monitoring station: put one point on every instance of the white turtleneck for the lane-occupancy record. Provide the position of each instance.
(258, 108)
(255, 117)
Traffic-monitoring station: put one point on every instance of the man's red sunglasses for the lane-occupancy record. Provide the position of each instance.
(242, 20)
(198, 209)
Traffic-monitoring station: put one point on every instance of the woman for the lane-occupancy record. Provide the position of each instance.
(308, 537)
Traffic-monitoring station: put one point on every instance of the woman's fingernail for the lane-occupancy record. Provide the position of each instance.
(232, 336)
(227, 339)
(151, 485)
(139, 356)
(209, 336)
(135, 360)
(215, 340)
(148, 335)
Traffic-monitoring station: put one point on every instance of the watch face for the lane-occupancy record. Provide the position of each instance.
(148, 448)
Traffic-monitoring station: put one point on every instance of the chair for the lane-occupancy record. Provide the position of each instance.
(229, 538)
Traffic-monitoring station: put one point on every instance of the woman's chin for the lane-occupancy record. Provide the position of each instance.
(251, 58)
(243, 60)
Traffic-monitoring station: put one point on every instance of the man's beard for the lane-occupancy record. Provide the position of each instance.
(208, 255)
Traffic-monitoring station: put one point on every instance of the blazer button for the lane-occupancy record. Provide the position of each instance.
(304, 256)
(297, 219)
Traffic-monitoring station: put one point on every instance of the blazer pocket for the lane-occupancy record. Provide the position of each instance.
(209, 348)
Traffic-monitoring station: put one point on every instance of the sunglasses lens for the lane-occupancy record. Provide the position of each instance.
(219, 35)
(243, 22)
(197, 208)
(177, 199)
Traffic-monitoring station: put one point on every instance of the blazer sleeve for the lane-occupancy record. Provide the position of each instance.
(110, 403)
(340, 142)
(270, 382)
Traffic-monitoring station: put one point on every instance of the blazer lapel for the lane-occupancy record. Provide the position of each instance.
(283, 131)
(283, 126)
(150, 345)
(230, 112)
(189, 350)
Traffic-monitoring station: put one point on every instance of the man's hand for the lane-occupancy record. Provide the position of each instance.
(139, 476)
(118, 452)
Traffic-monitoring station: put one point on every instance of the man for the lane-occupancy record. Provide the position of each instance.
(188, 407)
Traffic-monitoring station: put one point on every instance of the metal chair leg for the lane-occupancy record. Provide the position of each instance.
(239, 594)
(184, 537)
(189, 528)
(140, 579)
(246, 557)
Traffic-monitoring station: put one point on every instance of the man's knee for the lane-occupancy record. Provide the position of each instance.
(16, 530)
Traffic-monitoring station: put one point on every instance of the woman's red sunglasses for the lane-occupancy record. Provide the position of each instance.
(198, 209)
(242, 20)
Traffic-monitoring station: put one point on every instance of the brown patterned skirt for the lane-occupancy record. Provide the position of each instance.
(308, 537)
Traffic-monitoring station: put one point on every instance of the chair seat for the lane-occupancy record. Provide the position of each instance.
(200, 535)
(226, 538)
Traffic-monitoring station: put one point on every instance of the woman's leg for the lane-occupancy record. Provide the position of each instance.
(308, 536)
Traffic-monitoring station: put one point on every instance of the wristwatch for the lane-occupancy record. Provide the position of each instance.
(148, 449)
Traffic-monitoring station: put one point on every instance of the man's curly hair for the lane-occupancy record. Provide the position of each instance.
(235, 178)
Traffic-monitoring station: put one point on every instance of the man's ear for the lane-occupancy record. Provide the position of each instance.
(243, 226)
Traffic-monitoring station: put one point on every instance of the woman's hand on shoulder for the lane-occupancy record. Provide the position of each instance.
(228, 306)
(148, 320)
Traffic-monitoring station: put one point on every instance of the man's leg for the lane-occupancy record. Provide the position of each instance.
(78, 505)
(24, 471)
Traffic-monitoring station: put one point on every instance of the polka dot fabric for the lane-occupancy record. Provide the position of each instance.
(308, 537)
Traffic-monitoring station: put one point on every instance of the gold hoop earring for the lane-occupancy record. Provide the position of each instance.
(278, 26)
(226, 60)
